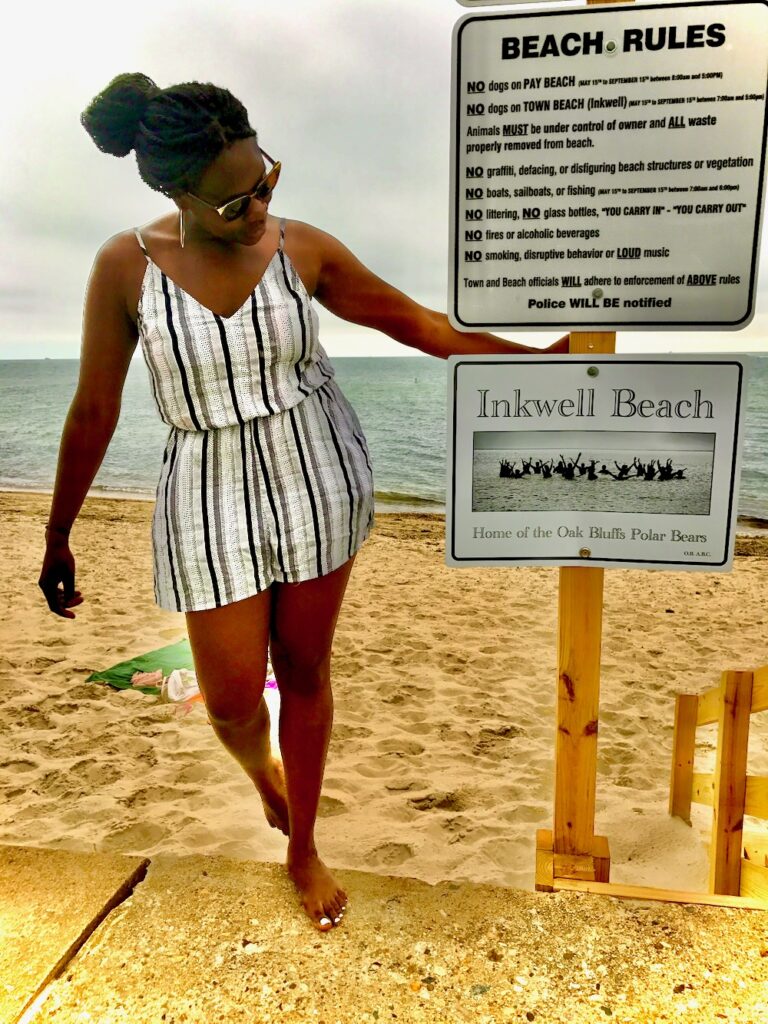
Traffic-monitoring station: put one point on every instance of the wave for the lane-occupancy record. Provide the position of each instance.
(96, 490)
(414, 502)
(756, 524)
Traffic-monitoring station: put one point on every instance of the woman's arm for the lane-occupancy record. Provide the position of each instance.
(109, 339)
(350, 290)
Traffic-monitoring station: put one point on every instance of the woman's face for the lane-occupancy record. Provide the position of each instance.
(235, 172)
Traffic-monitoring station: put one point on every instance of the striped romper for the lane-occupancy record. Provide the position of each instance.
(265, 474)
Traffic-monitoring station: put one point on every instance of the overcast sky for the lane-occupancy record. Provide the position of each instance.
(352, 95)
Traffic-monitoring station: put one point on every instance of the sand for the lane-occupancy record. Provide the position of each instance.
(441, 762)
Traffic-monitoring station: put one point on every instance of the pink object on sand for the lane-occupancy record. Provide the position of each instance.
(147, 678)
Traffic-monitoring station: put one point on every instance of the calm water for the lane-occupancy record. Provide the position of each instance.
(401, 403)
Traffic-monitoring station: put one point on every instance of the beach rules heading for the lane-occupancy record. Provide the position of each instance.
(613, 461)
(607, 167)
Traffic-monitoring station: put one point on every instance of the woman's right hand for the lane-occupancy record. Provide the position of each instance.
(59, 568)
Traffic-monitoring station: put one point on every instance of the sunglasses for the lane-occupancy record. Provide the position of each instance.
(236, 207)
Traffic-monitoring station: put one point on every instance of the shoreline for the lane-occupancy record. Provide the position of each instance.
(746, 526)
(422, 505)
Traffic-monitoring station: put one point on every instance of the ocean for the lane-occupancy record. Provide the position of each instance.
(401, 403)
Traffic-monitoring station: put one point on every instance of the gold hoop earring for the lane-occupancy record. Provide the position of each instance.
(181, 228)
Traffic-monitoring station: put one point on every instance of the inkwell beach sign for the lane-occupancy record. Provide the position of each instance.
(607, 172)
(625, 461)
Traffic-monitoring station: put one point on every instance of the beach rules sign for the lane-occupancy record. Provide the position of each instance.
(607, 167)
(620, 461)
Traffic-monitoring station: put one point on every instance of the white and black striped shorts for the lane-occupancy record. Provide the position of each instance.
(285, 498)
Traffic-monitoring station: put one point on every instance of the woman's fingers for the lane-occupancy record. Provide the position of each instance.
(60, 597)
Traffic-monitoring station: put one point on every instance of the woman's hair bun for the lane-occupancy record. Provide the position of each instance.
(112, 118)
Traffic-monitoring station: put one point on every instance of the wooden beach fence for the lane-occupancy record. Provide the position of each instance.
(738, 860)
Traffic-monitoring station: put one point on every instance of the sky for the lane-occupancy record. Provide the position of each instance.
(353, 96)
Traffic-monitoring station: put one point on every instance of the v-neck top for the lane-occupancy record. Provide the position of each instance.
(208, 371)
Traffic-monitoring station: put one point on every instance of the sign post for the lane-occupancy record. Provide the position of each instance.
(579, 644)
(580, 624)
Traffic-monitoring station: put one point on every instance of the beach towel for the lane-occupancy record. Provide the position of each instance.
(169, 673)
(166, 659)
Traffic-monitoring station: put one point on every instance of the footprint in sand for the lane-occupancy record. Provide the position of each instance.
(330, 806)
(102, 773)
(389, 855)
(490, 742)
(192, 773)
(419, 728)
(401, 786)
(136, 837)
(399, 746)
(59, 783)
(18, 766)
(31, 717)
(448, 733)
(526, 813)
(154, 795)
(64, 707)
(90, 691)
(415, 645)
(458, 828)
(40, 665)
(454, 801)
(350, 732)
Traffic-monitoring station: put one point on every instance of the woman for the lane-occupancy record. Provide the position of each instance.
(265, 493)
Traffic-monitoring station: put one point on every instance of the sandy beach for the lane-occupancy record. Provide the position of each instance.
(441, 762)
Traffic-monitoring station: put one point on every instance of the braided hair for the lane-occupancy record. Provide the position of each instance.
(176, 132)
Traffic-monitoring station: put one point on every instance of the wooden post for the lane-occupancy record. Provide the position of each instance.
(683, 750)
(578, 682)
(730, 783)
(580, 612)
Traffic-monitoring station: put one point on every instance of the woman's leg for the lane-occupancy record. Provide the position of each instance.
(229, 645)
(303, 622)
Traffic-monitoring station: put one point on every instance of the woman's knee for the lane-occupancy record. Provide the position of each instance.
(229, 646)
(233, 703)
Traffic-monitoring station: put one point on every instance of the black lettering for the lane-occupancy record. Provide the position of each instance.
(565, 44)
(633, 39)
(715, 35)
(510, 48)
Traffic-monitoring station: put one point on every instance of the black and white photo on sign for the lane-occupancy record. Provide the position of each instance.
(667, 472)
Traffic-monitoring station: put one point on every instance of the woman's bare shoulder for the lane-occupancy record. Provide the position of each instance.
(305, 235)
(124, 255)
(305, 244)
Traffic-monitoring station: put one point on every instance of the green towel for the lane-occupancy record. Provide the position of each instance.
(166, 658)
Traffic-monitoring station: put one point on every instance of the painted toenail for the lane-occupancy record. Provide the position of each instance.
(325, 920)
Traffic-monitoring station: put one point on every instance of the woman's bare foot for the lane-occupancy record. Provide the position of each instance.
(271, 787)
(322, 897)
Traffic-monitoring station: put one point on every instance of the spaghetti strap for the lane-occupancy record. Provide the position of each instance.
(141, 243)
(282, 233)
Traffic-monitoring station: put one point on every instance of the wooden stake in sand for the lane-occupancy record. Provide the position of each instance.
(572, 849)
(580, 627)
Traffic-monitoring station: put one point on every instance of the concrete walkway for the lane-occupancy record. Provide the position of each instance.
(110, 939)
